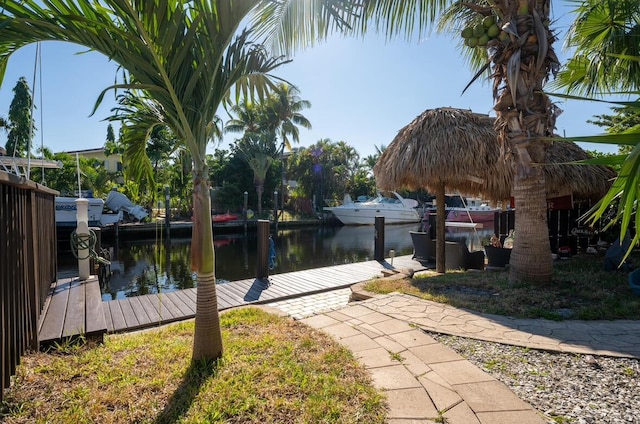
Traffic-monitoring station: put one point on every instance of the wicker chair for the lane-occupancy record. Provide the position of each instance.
(424, 248)
(457, 256)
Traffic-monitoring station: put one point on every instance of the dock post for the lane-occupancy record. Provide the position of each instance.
(244, 210)
(275, 208)
(262, 267)
(378, 254)
(167, 211)
(82, 235)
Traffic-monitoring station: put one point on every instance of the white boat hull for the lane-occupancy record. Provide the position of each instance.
(364, 216)
(66, 211)
(394, 211)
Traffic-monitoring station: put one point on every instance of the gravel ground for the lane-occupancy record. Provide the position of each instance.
(566, 388)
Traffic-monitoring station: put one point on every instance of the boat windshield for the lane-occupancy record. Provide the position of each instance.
(388, 200)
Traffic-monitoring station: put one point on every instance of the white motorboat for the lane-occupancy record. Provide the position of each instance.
(66, 211)
(395, 210)
(116, 205)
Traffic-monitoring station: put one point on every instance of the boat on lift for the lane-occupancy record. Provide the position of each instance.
(469, 210)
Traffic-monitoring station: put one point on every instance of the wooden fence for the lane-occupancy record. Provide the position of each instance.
(27, 266)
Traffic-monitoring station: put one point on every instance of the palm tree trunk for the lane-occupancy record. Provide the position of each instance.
(525, 117)
(259, 190)
(207, 340)
(531, 255)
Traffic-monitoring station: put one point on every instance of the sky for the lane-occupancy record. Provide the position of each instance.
(362, 90)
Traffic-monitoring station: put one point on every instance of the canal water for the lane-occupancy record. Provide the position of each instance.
(154, 266)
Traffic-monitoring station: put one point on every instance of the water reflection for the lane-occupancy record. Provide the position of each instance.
(149, 266)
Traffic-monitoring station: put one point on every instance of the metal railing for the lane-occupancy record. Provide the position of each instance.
(27, 266)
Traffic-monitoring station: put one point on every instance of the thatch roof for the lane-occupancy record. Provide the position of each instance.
(459, 148)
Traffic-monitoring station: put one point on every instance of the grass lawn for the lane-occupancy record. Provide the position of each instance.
(274, 370)
(580, 289)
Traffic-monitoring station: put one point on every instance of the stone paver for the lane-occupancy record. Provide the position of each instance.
(615, 338)
(425, 381)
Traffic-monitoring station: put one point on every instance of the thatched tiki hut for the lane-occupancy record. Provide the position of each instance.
(449, 149)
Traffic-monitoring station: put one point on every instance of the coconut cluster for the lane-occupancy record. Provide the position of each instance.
(481, 33)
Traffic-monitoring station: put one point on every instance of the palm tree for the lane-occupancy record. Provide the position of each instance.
(186, 57)
(520, 61)
(278, 115)
(248, 118)
(605, 36)
(283, 114)
(258, 150)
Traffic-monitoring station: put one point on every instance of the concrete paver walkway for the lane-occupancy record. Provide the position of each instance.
(620, 338)
(427, 382)
(424, 381)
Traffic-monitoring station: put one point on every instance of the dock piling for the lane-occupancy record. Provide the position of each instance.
(378, 253)
(262, 267)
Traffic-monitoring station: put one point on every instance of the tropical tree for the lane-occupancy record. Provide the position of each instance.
(520, 58)
(248, 118)
(283, 114)
(622, 120)
(604, 36)
(371, 160)
(20, 122)
(258, 150)
(111, 145)
(277, 116)
(186, 57)
(327, 170)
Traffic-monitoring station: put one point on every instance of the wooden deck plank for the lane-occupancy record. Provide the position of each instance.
(224, 300)
(107, 316)
(117, 317)
(189, 304)
(139, 311)
(157, 302)
(130, 318)
(276, 290)
(243, 288)
(53, 321)
(299, 282)
(181, 310)
(150, 310)
(305, 281)
(174, 310)
(231, 292)
(74, 319)
(192, 294)
(94, 316)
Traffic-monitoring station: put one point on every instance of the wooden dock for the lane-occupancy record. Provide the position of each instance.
(76, 308)
(73, 308)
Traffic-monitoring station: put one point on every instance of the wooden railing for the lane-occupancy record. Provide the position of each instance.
(27, 266)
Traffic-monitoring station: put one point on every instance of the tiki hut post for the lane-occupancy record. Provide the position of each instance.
(440, 228)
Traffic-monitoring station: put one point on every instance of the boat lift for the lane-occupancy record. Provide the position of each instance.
(21, 166)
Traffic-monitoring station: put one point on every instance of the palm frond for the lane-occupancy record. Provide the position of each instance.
(287, 26)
